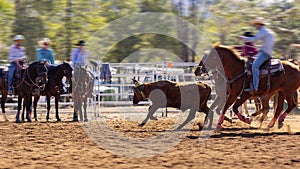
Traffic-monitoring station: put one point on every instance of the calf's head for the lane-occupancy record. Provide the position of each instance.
(138, 92)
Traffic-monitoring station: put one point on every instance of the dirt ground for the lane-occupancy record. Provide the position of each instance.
(66, 145)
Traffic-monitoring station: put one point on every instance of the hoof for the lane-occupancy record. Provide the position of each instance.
(6, 120)
(28, 120)
(248, 120)
(280, 125)
(18, 121)
(75, 120)
(86, 120)
(58, 120)
(219, 126)
(36, 119)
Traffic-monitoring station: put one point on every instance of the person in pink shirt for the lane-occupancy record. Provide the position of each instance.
(249, 48)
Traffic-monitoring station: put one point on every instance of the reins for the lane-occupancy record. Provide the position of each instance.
(26, 73)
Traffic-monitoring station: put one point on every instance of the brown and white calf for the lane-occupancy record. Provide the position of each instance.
(193, 96)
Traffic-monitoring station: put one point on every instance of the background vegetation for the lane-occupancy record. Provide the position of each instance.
(67, 21)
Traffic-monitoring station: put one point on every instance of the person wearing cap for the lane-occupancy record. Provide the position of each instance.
(249, 48)
(44, 53)
(16, 56)
(79, 55)
(265, 52)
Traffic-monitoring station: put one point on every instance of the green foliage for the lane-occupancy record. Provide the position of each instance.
(65, 24)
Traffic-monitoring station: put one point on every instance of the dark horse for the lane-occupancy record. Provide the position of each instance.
(34, 76)
(284, 83)
(82, 89)
(3, 89)
(54, 87)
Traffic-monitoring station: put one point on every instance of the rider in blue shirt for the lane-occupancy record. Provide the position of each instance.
(45, 53)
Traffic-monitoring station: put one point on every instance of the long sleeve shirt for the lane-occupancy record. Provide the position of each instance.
(16, 53)
(266, 36)
(79, 57)
(45, 55)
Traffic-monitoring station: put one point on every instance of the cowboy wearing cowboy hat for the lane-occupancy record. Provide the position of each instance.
(265, 52)
(44, 53)
(79, 55)
(16, 57)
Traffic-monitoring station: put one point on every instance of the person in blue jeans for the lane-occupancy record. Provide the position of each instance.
(16, 56)
(265, 52)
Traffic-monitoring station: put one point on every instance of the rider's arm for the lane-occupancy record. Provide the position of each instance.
(260, 35)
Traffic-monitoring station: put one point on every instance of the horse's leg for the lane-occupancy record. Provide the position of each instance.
(57, 97)
(80, 109)
(230, 100)
(279, 108)
(258, 103)
(265, 108)
(3, 100)
(291, 105)
(75, 115)
(84, 109)
(152, 110)
(28, 107)
(244, 97)
(24, 109)
(35, 101)
(275, 102)
(48, 108)
(19, 109)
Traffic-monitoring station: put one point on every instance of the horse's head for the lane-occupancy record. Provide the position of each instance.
(37, 73)
(67, 72)
(201, 69)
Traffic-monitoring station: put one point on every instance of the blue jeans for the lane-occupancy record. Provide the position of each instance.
(12, 69)
(261, 58)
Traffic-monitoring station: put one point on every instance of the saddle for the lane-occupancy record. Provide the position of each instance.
(270, 67)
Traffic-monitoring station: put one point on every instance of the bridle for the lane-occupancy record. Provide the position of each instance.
(31, 83)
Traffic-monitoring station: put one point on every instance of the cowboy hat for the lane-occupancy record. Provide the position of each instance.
(259, 21)
(44, 41)
(81, 43)
(19, 37)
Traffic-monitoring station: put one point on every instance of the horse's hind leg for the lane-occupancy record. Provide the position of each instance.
(291, 105)
(3, 100)
(279, 108)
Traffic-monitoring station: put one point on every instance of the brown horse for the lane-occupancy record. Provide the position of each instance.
(3, 89)
(284, 83)
(54, 87)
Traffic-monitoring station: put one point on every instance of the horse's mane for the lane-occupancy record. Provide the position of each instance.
(230, 49)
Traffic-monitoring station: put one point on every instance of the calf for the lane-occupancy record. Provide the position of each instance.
(183, 96)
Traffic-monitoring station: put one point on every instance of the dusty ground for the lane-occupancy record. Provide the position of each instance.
(66, 145)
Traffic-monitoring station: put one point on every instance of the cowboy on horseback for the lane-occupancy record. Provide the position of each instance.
(44, 53)
(16, 57)
(265, 52)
